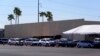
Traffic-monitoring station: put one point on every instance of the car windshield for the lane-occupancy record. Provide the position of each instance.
(64, 39)
(14, 39)
(35, 40)
(49, 40)
(31, 39)
(42, 40)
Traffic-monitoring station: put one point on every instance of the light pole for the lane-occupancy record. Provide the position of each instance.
(38, 10)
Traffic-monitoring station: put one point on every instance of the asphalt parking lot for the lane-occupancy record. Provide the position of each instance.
(7, 50)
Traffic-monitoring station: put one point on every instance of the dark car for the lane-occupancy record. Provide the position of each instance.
(85, 44)
(72, 43)
(3, 40)
(63, 42)
(35, 42)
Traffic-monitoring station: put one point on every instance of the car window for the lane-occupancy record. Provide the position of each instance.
(49, 40)
(28, 40)
(35, 40)
(96, 39)
(12, 39)
(42, 40)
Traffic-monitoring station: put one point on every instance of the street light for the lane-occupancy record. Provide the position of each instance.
(38, 10)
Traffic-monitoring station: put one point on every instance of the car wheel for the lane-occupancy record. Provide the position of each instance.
(68, 45)
(90, 46)
(78, 46)
(39, 44)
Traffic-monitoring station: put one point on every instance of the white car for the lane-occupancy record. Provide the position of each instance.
(47, 42)
(13, 41)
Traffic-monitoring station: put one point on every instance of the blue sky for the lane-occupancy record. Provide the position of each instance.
(61, 9)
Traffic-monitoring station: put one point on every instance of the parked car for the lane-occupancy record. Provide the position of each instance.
(97, 42)
(21, 41)
(85, 44)
(63, 42)
(47, 42)
(28, 42)
(31, 41)
(72, 43)
(13, 41)
(3, 40)
(35, 42)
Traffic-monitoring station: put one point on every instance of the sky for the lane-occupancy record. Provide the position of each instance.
(61, 10)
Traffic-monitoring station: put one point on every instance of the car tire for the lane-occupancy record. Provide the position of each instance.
(78, 46)
(39, 44)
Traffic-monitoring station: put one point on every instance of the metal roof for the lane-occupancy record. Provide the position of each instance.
(84, 29)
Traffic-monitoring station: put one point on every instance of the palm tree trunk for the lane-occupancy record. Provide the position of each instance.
(10, 22)
(18, 19)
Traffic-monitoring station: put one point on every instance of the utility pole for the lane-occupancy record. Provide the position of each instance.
(38, 10)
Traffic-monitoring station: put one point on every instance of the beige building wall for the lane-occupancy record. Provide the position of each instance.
(43, 29)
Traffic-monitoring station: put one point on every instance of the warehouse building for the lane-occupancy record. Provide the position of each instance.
(44, 29)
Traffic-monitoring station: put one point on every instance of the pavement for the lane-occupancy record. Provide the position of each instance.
(6, 50)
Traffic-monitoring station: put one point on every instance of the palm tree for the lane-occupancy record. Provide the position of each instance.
(42, 14)
(49, 16)
(17, 12)
(10, 18)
